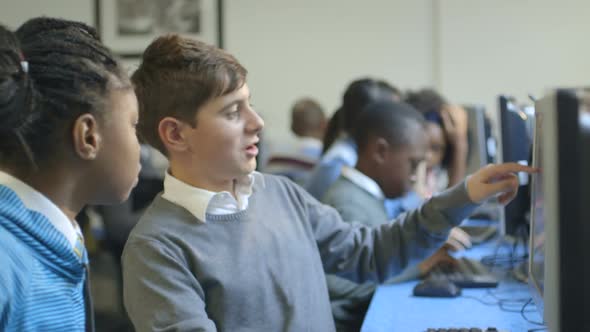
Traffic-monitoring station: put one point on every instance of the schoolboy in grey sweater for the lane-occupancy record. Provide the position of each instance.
(226, 248)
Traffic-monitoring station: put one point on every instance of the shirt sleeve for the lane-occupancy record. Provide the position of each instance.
(362, 253)
(154, 303)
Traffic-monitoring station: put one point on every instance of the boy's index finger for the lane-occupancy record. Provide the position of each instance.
(511, 168)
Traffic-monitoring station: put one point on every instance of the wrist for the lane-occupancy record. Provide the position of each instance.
(460, 145)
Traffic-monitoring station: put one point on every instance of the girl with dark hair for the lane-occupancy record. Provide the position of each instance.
(67, 139)
(446, 128)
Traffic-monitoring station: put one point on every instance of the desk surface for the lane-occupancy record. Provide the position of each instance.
(394, 308)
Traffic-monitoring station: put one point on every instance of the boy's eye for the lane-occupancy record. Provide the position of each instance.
(233, 114)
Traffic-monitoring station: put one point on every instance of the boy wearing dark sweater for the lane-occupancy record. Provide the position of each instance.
(226, 248)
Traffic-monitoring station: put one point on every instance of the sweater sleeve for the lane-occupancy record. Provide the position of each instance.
(345, 206)
(361, 253)
(173, 303)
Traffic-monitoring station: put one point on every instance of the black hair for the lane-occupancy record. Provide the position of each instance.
(388, 119)
(13, 81)
(358, 94)
(430, 103)
(51, 72)
(426, 101)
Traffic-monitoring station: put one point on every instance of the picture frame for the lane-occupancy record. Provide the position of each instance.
(127, 27)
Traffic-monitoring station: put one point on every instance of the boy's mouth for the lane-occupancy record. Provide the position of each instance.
(252, 150)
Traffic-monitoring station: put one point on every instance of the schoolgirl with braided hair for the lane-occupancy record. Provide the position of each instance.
(67, 138)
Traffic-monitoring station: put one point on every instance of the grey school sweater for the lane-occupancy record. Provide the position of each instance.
(262, 269)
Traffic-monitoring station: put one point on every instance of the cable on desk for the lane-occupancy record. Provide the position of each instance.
(495, 294)
(480, 300)
(522, 313)
(511, 258)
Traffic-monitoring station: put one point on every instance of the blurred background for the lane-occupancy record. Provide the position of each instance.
(468, 50)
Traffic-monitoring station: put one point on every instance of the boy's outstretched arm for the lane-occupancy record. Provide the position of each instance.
(362, 253)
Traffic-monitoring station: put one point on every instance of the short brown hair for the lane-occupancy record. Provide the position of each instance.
(176, 77)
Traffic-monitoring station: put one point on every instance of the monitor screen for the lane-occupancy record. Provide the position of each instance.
(481, 144)
(559, 243)
(515, 131)
(537, 227)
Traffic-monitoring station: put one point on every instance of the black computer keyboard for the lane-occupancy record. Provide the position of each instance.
(468, 273)
(464, 329)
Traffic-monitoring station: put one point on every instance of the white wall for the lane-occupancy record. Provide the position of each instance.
(511, 46)
(14, 12)
(315, 48)
(471, 50)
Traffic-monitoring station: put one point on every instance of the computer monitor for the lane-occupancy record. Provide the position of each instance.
(481, 151)
(559, 245)
(481, 143)
(516, 140)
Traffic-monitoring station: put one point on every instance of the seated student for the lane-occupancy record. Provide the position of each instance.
(296, 157)
(225, 248)
(67, 139)
(447, 141)
(391, 143)
(339, 147)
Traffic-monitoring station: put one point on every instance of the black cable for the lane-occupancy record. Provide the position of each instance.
(522, 313)
(480, 300)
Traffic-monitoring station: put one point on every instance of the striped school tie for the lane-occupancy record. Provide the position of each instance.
(81, 252)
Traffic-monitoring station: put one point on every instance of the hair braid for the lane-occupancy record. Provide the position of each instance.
(69, 73)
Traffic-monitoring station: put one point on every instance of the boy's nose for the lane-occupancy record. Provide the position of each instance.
(255, 123)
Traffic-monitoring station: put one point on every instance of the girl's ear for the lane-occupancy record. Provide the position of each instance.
(86, 137)
(172, 133)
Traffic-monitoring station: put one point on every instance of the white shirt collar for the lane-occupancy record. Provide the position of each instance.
(200, 202)
(36, 201)
(345, 149)
(311, 142)
(363, 181)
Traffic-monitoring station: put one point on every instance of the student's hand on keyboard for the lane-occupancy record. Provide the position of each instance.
(458, 240)
(496, 180)
(440, 257)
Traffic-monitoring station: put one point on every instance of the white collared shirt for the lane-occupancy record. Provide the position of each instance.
(36, 201)
(363, 181)
(201, 202)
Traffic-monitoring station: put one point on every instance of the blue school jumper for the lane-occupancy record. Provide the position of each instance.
(42, 278)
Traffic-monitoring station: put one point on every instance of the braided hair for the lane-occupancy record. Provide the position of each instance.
(51, 72)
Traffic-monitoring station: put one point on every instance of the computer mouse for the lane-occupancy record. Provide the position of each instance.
(436, 288)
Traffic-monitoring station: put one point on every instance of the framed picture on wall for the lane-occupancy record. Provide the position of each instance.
(129, 26)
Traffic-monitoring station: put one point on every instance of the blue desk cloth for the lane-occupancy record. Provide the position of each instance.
(394, 308)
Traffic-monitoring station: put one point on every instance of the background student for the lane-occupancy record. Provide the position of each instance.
(446, 127)
(391, 144)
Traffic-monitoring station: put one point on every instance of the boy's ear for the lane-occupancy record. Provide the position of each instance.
(86, 137)
(380, 149)
(172, 134)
